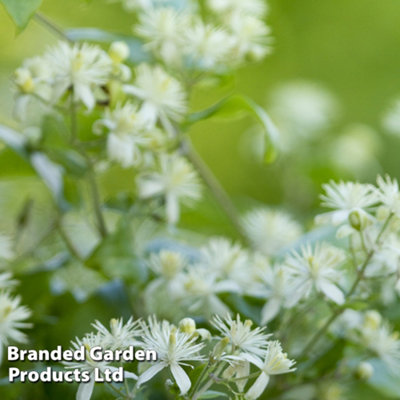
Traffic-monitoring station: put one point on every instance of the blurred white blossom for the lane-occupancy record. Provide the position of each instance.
(270, 231)
(315, 268)
(175, 180)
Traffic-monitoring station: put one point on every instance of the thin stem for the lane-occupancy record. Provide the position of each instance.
(68, 242)
(51, 26)
(208, 384)
(201, 377)
(360, 275)
(317, 336)
(96, 202)
(214, 185)
(95, 195)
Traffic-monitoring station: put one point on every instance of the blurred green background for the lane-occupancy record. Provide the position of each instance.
(350, 47)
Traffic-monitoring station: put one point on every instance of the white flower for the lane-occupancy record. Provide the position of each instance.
(118, 52)
(256, 8)
(269, 231)
(346, 198)
(226, 259)
(275, 363)
(175, 180)
(163, 30)
(251, 40)
(89, 341)
(120, 336)
(82, 68)
(370, 331)
(126, 134)
(276, 290)
(173, 348)
(202, 288)
(387, 192)
(315, 268)
(12, 315)
(5, 280)
(167, 263)
(391, 120)
(243, 338)
(34, 77)
(208, 46)
(163, 96)
(302, 110)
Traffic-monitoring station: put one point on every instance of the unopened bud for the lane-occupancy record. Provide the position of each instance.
(372, 319)
(364, 371)
(187, 325)
(220, 347)
(23, 78)
(119, 51)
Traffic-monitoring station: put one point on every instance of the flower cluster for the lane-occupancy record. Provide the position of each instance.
(228, 355)
(180, 38)
(12, 314)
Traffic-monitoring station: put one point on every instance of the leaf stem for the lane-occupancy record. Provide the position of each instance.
(68, 242)
(214, 186)
(94, 190)
(51, 26)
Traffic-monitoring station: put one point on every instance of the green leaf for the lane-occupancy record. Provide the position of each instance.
(115, 256)
(52, 175)
(235, 106)
(21, 11)
(383, 380)
(13, 139)
(137, 52)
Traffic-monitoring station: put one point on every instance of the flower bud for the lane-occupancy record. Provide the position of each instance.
(119, 51)
(364, 371)
(358, 220)
(372, 319)
(23, 78)
(220, 347)
(187, 325)
(355, 220)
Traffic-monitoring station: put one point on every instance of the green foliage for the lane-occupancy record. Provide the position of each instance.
(21, 11)
(234, 107)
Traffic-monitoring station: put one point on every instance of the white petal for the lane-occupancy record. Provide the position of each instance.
(227, 286)
(217, 306)
(120, 149)
(149, 373)
(332, 291)
(270, 310)
(181, 378)
(149, 187)
(258, 387)
(133, 90)
(84, 93)
(172, 208)
(127, 374)
(130, 375)
(148, 114)
(243, 369)
(252, 359)
(85, 390)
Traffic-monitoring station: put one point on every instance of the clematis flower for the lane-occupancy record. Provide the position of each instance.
(174, 347)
